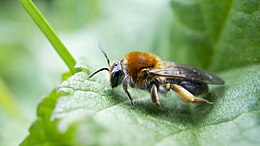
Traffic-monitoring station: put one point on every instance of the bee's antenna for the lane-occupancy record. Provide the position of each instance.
(104, 53)
(101, 69)
(108, 61)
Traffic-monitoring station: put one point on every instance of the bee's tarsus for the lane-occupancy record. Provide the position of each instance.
(157, 105)
(132, 103)
(200, 100)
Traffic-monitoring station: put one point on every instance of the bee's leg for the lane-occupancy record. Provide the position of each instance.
(154, 96)
(186, 96)
(125, 87)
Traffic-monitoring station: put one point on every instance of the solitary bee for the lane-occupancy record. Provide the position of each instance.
(146, 71)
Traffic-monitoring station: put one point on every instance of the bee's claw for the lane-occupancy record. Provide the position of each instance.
(200, 100)
(132, 103)
(157, 104)
(159, 107)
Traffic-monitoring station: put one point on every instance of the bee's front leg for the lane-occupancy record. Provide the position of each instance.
(154, 96)
(125, 87)
(186, 96)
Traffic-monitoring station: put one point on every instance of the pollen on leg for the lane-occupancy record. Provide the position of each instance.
(186, 96)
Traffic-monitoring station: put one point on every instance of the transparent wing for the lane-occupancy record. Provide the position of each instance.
(174, 70)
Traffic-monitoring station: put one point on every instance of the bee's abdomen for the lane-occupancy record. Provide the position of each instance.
(193, 87)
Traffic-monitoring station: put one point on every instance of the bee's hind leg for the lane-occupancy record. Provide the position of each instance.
(154, 96)
(186, 96)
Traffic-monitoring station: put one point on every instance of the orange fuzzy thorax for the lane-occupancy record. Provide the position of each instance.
(136, 61)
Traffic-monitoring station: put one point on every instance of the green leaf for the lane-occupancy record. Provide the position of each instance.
(210, 33)
(49, 134)
(103, 116)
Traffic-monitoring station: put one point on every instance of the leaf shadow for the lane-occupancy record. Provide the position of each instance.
(215, 93)
(173, 109)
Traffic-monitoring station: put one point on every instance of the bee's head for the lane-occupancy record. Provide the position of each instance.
(116, 74)
(115, 70)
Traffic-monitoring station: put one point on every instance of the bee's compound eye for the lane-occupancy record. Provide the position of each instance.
(117, 73)
(116, 78)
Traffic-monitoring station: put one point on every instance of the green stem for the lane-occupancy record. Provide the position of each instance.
(50, 34)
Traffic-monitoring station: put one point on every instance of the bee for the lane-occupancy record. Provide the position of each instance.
(146, 71)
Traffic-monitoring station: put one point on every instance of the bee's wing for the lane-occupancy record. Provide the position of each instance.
(174, 70)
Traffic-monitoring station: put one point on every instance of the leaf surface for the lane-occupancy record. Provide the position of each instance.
(99, 115)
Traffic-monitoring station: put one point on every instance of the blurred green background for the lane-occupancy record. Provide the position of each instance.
(29, 68)
(216, 35)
